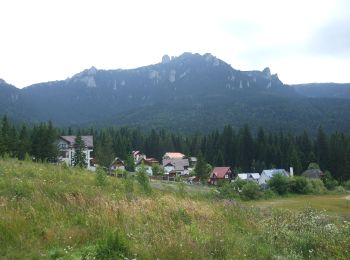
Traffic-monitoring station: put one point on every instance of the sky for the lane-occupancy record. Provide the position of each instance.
(302, 41)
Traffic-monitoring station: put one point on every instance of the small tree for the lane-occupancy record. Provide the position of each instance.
(202, 169)
(79, 158)
(129, 163)
(328, 181)
(313, 166)
(143, 179)
(300, 185)
(157, 169)
(279, 184)
(251, 191)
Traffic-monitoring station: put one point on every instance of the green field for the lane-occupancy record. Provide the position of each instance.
(334, 204)
(55, 212)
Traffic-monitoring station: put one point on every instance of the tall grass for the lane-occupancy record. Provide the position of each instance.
(50, 211)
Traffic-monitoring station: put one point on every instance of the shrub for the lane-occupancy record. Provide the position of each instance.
(143, 179)
(100, 178)
(251, 191)
(300, 185)
(181, 189)
(313, 166)
(115, 246)
(328, 181)
(317, 186)
(339, 189)
(269, 194)
(228, 190)
(279, 184)
(239, 183)
(128, 186)
(347, 185)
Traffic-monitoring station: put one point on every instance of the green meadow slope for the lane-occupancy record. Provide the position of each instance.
(55, 212)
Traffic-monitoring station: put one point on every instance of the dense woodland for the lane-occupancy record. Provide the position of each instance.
(240, 149)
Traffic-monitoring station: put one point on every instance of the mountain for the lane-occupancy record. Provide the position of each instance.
(188, 93)
(332, 90)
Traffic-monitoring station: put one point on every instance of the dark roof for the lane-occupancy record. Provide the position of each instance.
(220, 172)
(70, 139)
(179, 164)
(313, 173)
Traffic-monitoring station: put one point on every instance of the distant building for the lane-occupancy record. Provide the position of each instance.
(178, 166)
(249, 176)
(117, 164)
(313, 174)
(173, 155)
(147, 163)
(220, 173)
(266, 175)
(137, 155)
(67, 150)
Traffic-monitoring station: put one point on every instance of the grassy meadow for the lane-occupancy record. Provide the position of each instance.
(55, 212)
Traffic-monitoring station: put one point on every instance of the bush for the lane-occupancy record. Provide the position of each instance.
(239, 183)
(251, 191)
(114, 247)
(228, 190)
(101, 178)
(317, 186)
(328, 181)
(279, 184)
(347, 185)
(143, 179)
(300, 185)
(313, 166)
(339, 189)
(269, 194)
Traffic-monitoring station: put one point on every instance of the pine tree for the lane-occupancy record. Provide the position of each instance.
(24, 143)
(79, 158)
(202, 171)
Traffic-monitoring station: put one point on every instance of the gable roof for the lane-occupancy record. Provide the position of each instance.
(313, 173)
(173, 155)
(87, 139)
(179, 164)
(270, 173)
(220, 172)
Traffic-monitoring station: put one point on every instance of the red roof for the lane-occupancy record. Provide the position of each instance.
(220, 172)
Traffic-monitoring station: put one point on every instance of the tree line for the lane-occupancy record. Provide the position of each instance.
(240, 149)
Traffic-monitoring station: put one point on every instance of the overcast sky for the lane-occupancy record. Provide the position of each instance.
(301, 40)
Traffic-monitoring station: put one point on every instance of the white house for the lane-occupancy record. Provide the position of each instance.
(138, 156)
(266, 175)
(249, 176)
(67, 150)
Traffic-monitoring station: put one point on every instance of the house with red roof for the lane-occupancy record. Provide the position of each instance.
(220, 173)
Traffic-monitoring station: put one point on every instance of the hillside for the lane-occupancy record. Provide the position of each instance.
(191, 92)
(48, 211)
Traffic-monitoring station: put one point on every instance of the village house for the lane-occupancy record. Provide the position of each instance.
(137, 155)
(67, 150)
(266, 175)
(220, 173)
(173, 155)
(313, 174)
(249, 176)
(177, 166)
(147, 163)
(117, 164)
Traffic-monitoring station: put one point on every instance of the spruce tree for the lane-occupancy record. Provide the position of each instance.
(79, 158)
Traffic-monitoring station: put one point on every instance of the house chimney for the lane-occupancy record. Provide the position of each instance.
(291, 172)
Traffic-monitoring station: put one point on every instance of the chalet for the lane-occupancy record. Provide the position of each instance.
(67, 150)
(249, 176)
(137, 155)
(179, 166)
(220, 173)
(147, 163)
(266, 175)
(117, 164)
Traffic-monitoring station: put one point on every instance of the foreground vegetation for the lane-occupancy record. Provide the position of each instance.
(51, 211)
